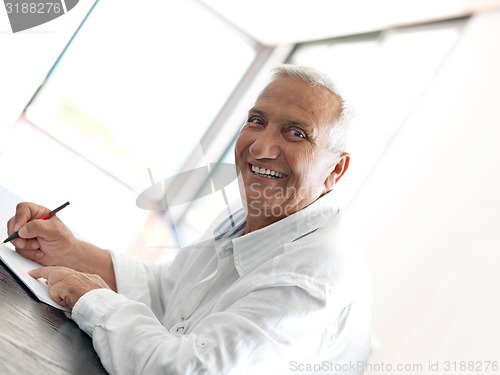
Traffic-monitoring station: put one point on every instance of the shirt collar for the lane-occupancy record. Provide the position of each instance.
(232, 226)
(261, 245)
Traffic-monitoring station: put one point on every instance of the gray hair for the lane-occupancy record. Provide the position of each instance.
(340, 128)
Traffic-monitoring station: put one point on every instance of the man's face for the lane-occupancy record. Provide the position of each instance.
(282, 152)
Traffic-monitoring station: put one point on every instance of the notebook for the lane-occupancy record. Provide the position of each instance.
(18, 264)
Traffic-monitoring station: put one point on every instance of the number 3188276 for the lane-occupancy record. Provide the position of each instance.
(470, 366)
(33, 8)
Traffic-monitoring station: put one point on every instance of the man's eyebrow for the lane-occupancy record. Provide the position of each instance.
(257, 111)
(293, 122)
(301, 124)
(308, 128)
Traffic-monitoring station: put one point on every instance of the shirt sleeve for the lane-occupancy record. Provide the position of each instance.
(147, 283)
(262, 332)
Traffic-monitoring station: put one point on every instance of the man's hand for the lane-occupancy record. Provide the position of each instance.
(48, 242)
(66, 286)
(51, 243)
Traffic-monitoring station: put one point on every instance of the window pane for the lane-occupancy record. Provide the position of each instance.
(140, 84)
(383, 75)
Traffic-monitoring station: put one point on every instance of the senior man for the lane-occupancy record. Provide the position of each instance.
(277, 289)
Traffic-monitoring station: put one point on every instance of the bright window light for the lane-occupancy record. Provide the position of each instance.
(137, 94)
(394, 67)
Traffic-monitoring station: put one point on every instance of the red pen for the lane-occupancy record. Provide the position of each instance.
(48, 215)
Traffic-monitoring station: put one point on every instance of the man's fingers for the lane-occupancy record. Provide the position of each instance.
(19, 243)
(54, 277)
(46, 229)
(26, 212)
(10, 225)
(65, 285)
(31, 254)
(53, 274)
(26, 244)
(40, 272)
(56, 293)
(32, 229)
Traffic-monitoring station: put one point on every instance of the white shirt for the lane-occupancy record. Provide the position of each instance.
(292, 296)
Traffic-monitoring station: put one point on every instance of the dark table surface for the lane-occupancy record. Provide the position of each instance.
(36, 338)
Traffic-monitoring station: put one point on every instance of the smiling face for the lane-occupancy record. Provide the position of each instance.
(283, 152)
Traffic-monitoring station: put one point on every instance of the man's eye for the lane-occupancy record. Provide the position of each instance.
(298, 133)
(255, 120)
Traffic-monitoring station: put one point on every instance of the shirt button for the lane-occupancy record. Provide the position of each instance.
(183, 318)
(180, 330)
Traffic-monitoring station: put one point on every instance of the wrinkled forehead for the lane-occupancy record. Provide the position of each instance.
(293, 91)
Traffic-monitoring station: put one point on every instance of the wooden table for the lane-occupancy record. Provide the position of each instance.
(36, 338)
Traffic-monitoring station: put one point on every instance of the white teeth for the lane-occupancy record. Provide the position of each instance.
(267, 172)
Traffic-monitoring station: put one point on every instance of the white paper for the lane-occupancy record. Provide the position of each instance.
(18, 264)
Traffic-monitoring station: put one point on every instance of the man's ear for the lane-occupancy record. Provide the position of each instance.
(338, 171)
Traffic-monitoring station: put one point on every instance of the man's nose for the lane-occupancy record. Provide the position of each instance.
(265, 146)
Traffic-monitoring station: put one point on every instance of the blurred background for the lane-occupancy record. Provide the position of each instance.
(114, 97)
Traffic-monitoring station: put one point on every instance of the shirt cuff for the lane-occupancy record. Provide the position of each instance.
(90, 310)
(129, 275)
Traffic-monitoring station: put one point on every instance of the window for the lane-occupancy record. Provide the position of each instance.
(134, 97)
(396, 65)
(139, 95)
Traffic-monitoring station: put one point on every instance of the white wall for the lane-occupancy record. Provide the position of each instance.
(282, 21)
(429, 216)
